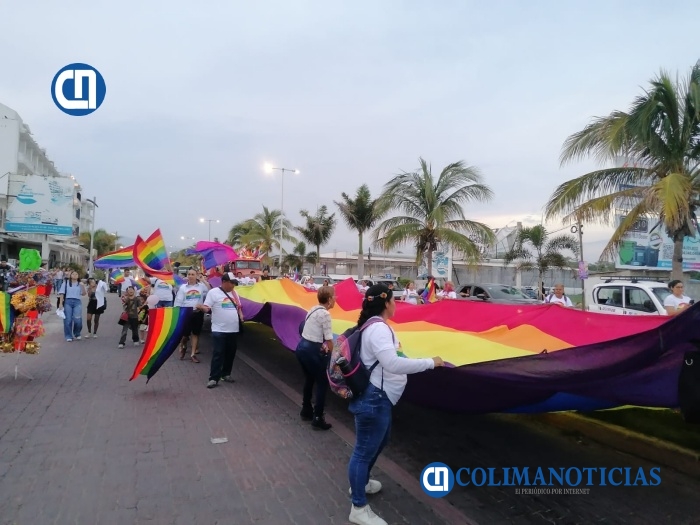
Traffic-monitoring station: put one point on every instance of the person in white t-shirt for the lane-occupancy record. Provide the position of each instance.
(128, 281)
(192, 294)
(558, 297)
(410, 295)
(225, 307)
(162, 290)
(676, 302)
(448, 292)
(372, 409)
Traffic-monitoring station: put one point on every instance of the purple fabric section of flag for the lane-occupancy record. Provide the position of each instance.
(213, 253)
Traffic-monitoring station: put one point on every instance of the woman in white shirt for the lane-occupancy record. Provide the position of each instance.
(676, 302)
(372, 410)
(312, 353)
(410, 295)
(448, 292)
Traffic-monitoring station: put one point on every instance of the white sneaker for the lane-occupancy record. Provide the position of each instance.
(121, 346)
(364, 516)
(87, 336)
(94, 336)
(136, 343)
(77, 338)
(373, 486)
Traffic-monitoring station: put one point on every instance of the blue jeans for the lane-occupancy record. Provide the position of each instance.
(372, 411)
(57, 285)
(73, 323)
(162, 304)
(314, 363)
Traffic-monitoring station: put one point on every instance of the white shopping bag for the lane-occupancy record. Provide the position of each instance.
(61, 313)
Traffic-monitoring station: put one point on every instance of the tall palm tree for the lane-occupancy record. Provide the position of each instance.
(299, 256)
(318, 228)
(262, 231)
(360, 214)
(104, 241)
(433, 211)
(547, 252)
(660, 135)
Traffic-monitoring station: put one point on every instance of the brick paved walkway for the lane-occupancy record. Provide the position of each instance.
(80, 444)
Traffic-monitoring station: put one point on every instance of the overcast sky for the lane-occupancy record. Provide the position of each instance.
(201, 95)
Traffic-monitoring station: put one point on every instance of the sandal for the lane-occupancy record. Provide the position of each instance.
(194, 359)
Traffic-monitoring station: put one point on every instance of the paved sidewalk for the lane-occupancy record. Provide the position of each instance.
(81, 444)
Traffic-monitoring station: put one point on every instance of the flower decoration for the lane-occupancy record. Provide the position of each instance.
(23, 301)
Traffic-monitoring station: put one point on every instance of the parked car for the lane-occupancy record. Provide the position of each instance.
(317, 280)
(397, 287)
(494, 293)
(627, 296)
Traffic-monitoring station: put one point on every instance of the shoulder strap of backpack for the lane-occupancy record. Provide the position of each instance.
(312, 311)
(549, 298)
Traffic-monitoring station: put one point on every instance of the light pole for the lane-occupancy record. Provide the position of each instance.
(209, 221)
(92, 201)
(269, 168)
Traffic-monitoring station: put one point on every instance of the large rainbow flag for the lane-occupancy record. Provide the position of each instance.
(509, 358)
(123, 258)
(165, 328)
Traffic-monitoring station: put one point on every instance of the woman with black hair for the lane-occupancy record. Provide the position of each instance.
(70, 294)
(372, 410)
(677, 302)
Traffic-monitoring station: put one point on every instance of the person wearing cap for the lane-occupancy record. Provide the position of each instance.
(225, 307)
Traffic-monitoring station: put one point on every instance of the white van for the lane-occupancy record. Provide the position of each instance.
(627, 296)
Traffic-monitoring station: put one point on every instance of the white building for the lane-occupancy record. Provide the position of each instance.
(20, 156)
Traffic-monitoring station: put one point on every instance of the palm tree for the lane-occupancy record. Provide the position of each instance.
(104, 241)
(360, 214)
(318, 228)
(547, 252)
(299, 256)
(660, 135)
(262, 231)
(433, 211)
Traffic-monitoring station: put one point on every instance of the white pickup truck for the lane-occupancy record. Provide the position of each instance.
(626, 295)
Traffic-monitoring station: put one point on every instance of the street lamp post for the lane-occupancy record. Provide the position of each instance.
(209, 221)
(92, 201)
(269, 168)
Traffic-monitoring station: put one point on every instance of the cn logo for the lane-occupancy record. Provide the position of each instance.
(437, 480)
(78, 89)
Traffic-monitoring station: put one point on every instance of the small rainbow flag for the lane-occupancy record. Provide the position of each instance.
(123, 258)
(139, 248)
(5, 313)
(117, 276)
(165, 329)
(428, 294)
(152, 251)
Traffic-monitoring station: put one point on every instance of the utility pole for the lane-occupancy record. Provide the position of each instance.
(578, 228)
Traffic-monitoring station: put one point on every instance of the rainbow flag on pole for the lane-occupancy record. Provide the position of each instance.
(152, 252)
(141, 250)
(165, 329)
(122, 258)
(117, 276)
(5, 313)
(429, 295)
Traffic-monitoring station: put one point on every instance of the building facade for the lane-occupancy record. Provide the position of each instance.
(22, 157)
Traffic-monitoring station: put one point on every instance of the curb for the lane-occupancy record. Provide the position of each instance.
(442, 508)
(628, 441)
